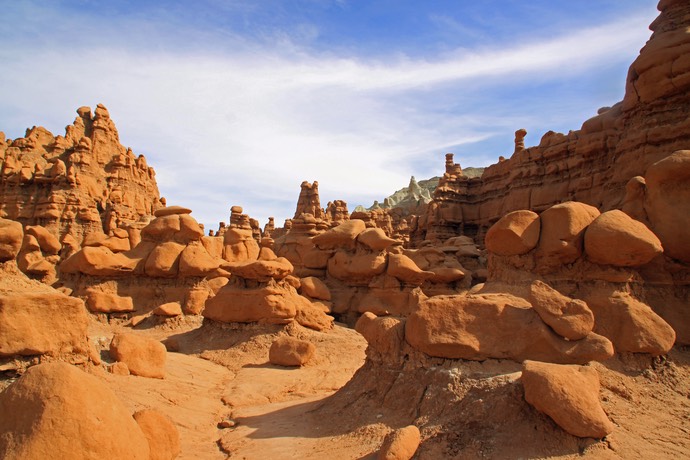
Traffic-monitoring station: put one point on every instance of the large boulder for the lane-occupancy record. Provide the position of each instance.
(515, 233)
(630, 324)
(562, 233)
(342, 236)
(144, 357)
(500, 326)
(614, 238)
(667, 203)
(58, 411)
(33, 323)
(569, 318)
(569, 395)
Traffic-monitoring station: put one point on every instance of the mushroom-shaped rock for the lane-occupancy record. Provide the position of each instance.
(400, 444)
(375, 239)
(11, 237)
(562, 231)
(667, 203)
(171, 211)
(404, 269)
(160, 432)
(384, 335)
(630, 324)
(161, 228)
(515, 233)
(569, 318)
(500, 326)
(164, 260)
(342, 236)
(314, 288)
(144, 357)
(569, 395)
(614, 238)
(59, 411)
(289, 351)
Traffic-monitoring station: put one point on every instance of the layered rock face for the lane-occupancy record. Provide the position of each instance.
(590, 165)
(80, 183)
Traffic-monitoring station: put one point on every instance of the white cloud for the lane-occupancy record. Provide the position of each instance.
(248, 126)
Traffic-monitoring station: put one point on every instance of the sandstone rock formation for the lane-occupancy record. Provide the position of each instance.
(80, 183)
(161, 434)
(401, 444)
(289, 351)
(569, 395)
(590, 165)
(59, 411)
(144, 357)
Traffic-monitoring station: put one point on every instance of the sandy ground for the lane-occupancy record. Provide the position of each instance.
(336, 408)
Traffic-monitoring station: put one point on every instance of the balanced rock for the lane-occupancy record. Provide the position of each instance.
(344, 235)
(171, 210)
(375, 239)
(58, 411)
(289, 351)
(144, 357)
(400, 444)
(569, 318)
(162, 435)
(569, 395)
(614, 238)
(515, 233)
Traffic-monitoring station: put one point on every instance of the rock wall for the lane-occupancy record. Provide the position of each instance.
(80, 183)
(591, 165)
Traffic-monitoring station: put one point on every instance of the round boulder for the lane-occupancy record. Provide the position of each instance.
(614, 238)
(289, 351)
(515, 233)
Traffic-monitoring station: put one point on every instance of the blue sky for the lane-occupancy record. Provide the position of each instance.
(237, 102)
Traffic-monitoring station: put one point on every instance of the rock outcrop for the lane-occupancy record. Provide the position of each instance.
(81, 183)
(59, 411)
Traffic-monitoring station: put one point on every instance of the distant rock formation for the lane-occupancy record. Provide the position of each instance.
(591, 165)
(80, 183)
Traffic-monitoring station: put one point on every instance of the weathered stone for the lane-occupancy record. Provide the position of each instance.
(289, 351)
(144, 357)
(568, 317)
(515, 233)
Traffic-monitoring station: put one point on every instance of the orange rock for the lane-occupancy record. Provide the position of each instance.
(500, 326)
(401, 444)
(161, 434)
(60, 411)
(667, 203)
(119, 368)
(562, 232)
(164, 260)
(262, 270)
(171, 210)
(403, 268)
(289, 351)
(161, 228)
(273, 304)
(356, 267)
(107, 302)
(144, 357)
(196, 261)
(614, 238)
(314, 288)
(313, 316)
(515, 233)
(376, 239)
(168, 309)
(48, 243)
(240, 245)
(11, 237)
(42, 323)
(630, 324)
(569, 395)
(384, 336)
(568, 317)
(342, 236)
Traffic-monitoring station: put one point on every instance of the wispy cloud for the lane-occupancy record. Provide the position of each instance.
(245, 123)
